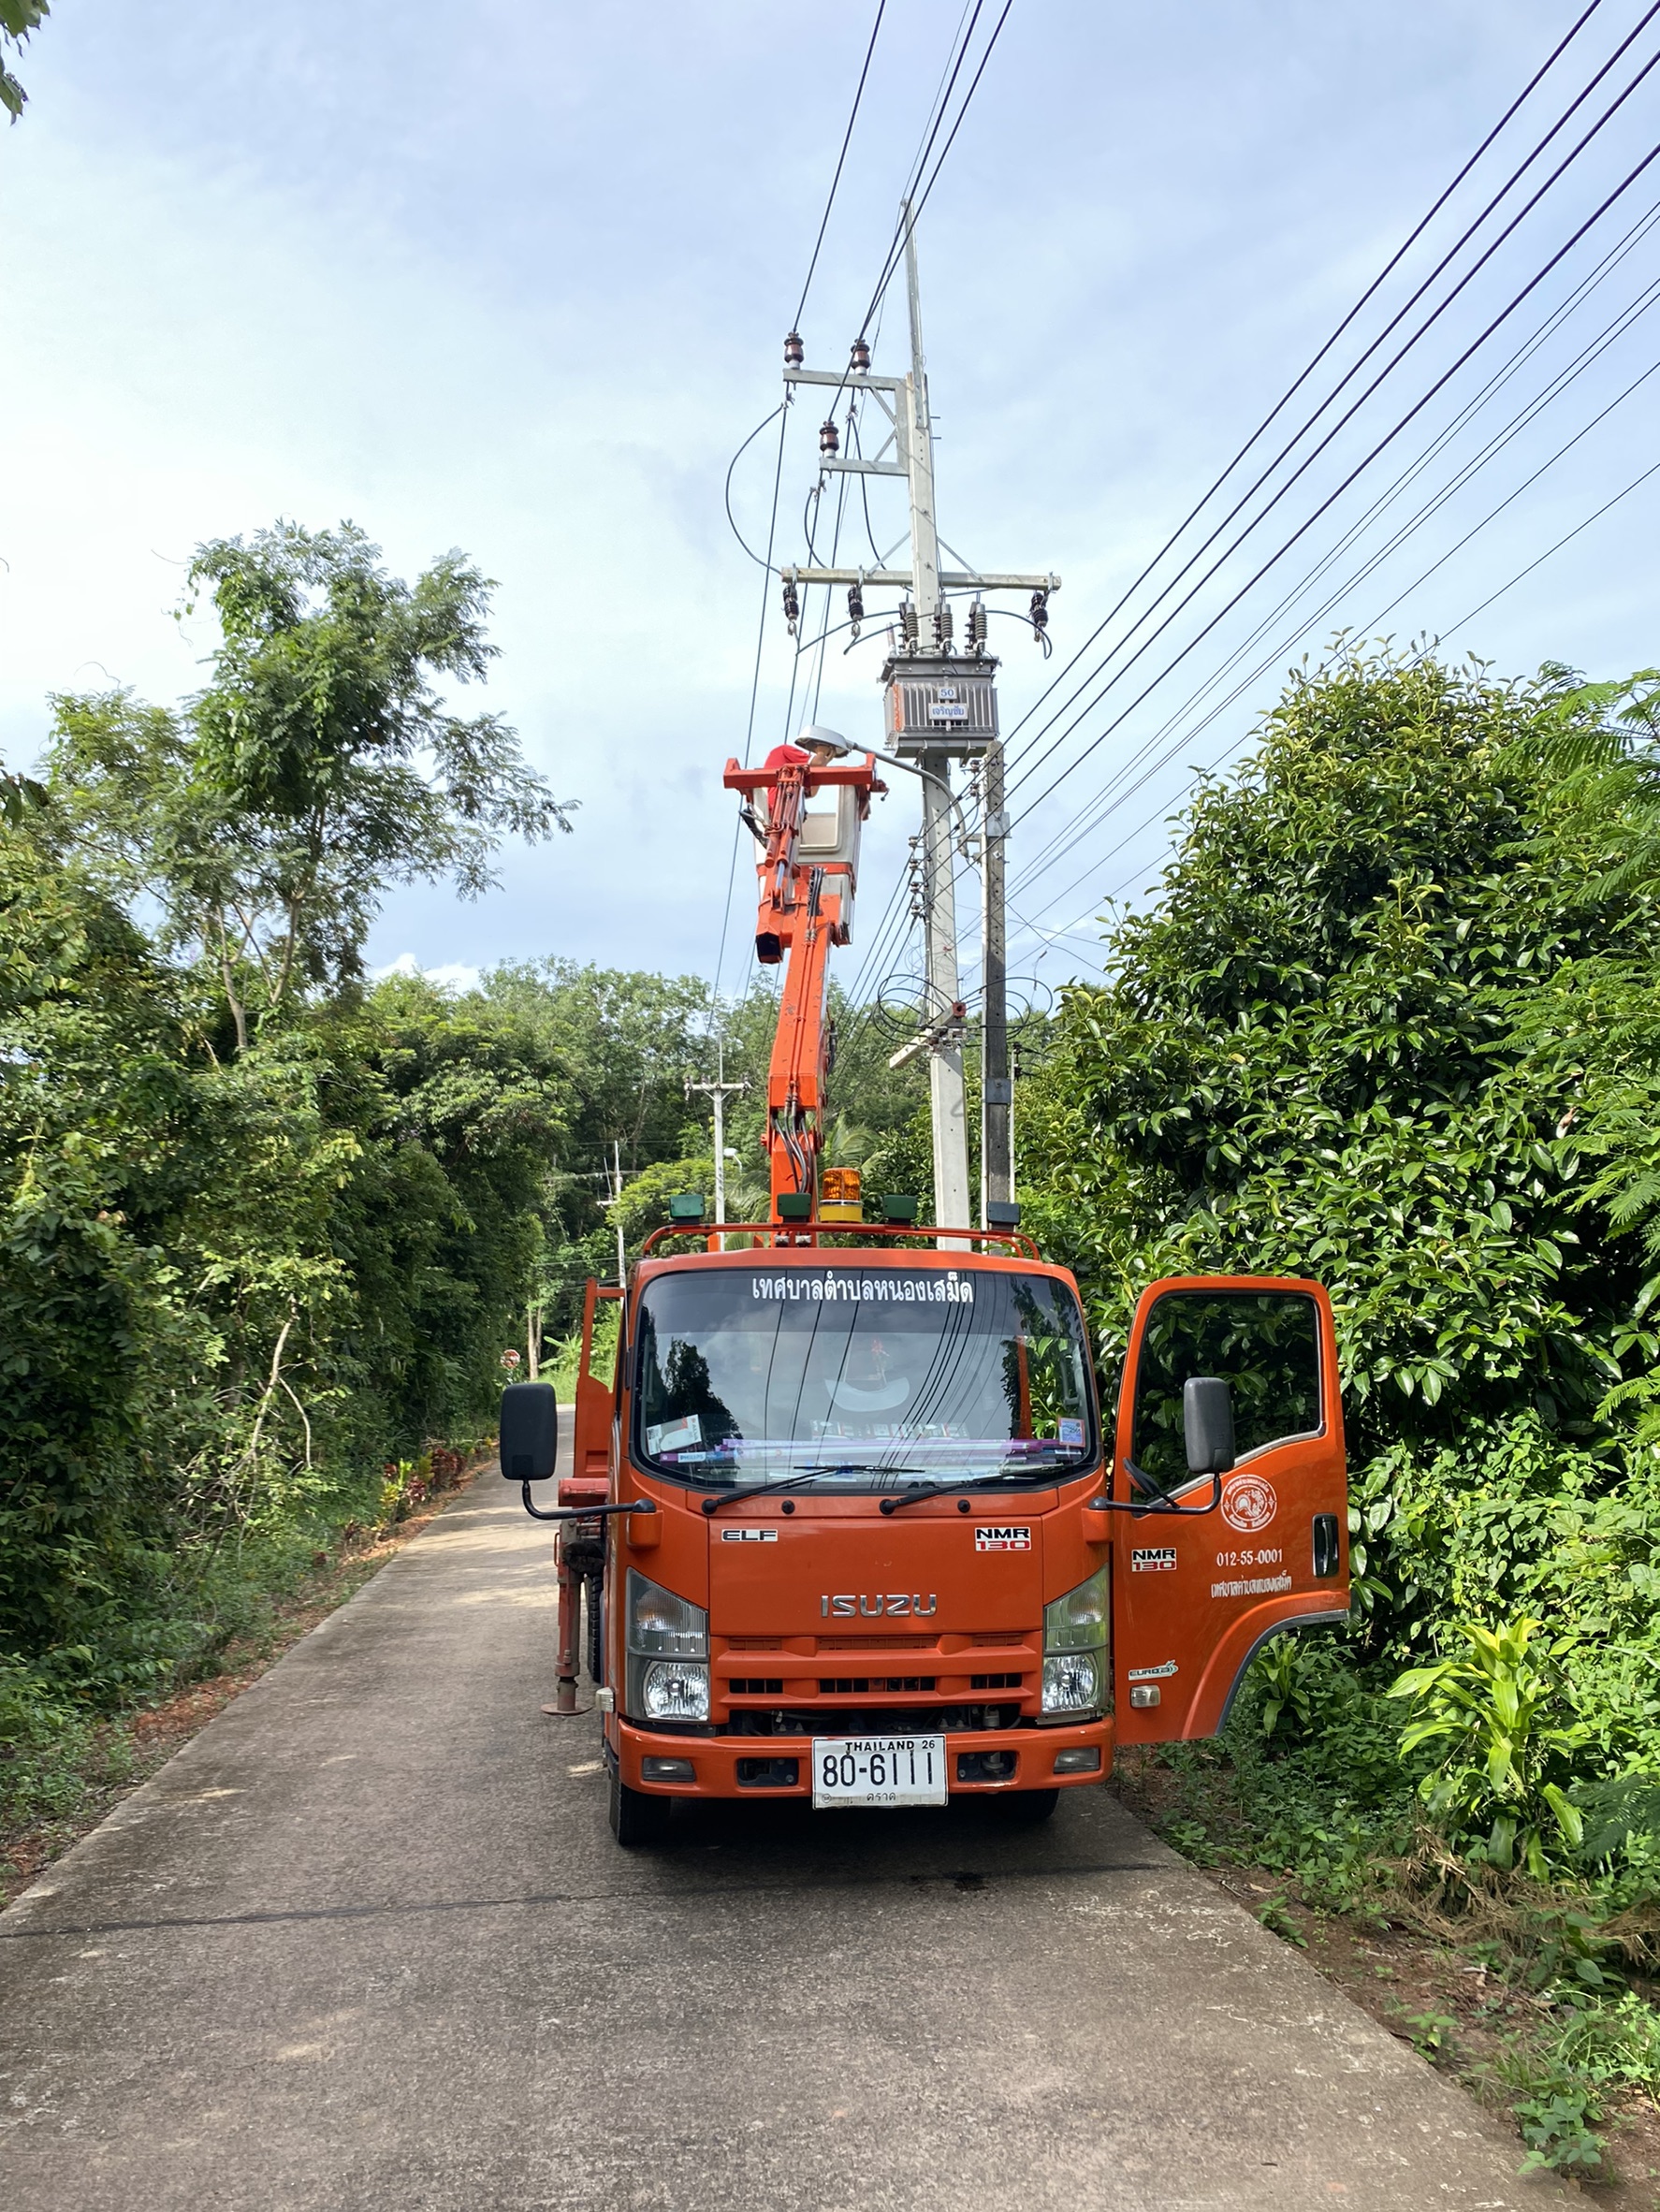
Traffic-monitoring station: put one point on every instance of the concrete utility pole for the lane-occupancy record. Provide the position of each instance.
(719, 1091)
(996, 1085)
(940, 707)
(947, 1112)
(616, 1195)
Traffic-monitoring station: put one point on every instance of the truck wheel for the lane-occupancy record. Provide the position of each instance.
(1026, 1809)
(637, 1817)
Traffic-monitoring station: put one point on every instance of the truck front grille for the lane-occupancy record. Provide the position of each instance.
(863, 1685)
(865, 1720)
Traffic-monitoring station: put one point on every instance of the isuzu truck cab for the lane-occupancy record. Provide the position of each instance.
(853, 1526)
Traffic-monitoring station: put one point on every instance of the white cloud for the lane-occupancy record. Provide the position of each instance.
(451, 975)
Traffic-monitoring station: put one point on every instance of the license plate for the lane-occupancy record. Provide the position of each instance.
(878, 1770)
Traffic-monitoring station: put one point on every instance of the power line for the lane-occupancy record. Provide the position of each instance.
(878, 946)
(782, 412)
(759, 560)
(1082, 824)
(1568, 537)
(737, 828)
(1347, 320)
(1331, 500)
(1481, 609)
(1366, 628)
(1030, 765)
(896, 251)
(846, 141)
(962, 40)
(1301, 379)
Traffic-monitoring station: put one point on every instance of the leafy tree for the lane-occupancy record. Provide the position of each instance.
(260, 1228)
(1393, 1024)
(318, 767)
(18, 794)
(18, 18)
(1307, 1061)
(1593, 1023)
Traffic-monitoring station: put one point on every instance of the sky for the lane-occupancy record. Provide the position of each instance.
(514, 275)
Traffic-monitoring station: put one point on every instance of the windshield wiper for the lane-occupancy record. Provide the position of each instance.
(761, 1489)
(765, 1490)
(919, 1490)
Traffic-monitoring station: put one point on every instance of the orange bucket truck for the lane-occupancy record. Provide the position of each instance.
(852, 1522)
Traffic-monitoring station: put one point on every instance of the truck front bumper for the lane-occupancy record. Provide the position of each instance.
(979, 1762)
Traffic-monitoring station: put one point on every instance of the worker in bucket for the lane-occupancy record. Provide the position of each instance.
(816, 748)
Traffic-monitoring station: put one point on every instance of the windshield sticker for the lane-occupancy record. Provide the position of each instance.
(1159, 1559)
(673, 1436)
(1252, 1586)
(1002, 1539)
(1154, 1674)
(1070, 1432)
(936, 1287)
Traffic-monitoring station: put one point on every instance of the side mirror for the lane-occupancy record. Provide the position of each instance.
(530, 1431)
(1207, 1424)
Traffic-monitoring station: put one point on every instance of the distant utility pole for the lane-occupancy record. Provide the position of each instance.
(940, 707)
(719, 1091)
(615, 1178)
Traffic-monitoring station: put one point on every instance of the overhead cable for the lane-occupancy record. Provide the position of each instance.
(846, 141)
(1096, 809)
(1370, 626)
(1291, 390)
(1336, 334)
(907, 220)
(1030, 762)
(1303, 529)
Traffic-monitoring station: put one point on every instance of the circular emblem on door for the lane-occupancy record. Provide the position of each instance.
(1248, 1503)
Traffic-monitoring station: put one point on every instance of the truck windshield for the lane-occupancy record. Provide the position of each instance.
(847, 1379)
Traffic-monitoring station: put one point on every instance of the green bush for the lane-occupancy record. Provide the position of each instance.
(1497, 1717)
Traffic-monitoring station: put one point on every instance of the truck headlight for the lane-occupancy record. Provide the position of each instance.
(669, 1652)
(1078, 1621)
(1076, 1641)
(659, 1622)
(671, 1690)
(1072, 1682)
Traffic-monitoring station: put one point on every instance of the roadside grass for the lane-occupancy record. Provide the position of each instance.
(1536, 1998)
(65, 1763)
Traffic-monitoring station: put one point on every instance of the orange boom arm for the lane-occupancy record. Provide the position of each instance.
(806, 873)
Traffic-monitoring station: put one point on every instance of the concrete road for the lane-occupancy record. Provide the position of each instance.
(366, 1944)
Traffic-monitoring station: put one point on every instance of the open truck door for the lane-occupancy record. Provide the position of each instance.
(595, 1410)
(1230, 1493)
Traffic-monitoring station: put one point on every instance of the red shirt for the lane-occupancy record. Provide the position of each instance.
(787, 756)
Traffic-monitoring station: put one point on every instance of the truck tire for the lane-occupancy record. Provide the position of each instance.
(1027, 1809)
(637, 1817)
